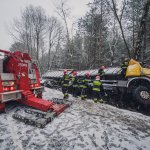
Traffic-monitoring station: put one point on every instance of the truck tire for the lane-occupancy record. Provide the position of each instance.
(142, 95)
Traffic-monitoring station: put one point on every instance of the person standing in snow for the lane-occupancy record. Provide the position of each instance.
(74, 81)
(97, 86)
(124, 65)
(101, 71)
(65, 84)
(84, 85)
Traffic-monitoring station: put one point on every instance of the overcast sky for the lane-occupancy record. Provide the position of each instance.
(10, 9)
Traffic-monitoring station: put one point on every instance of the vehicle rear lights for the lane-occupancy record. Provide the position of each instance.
(8, 86)
(5, 89)
(36, 85)
(12, 88)
(32, 85)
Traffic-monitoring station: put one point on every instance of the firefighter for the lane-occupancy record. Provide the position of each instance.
(97, 86)
(101, 71)
(74, 81)
(124, 66)
(84, 85)
(65, 84)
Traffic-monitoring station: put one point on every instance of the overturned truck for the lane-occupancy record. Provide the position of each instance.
(135, 82)
(130, 89)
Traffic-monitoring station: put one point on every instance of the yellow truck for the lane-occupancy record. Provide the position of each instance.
(136, 81)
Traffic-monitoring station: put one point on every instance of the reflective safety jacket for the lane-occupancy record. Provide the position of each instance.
(65, 80)
(124, 65)
(74, 81)
(97, 85)
(100, 72)
(84, 82)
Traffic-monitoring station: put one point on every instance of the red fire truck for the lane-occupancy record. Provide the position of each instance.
(20, 81)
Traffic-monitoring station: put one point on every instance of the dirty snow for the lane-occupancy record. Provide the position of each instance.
(83, 126)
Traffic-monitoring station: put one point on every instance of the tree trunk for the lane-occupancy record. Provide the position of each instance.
(141, 32)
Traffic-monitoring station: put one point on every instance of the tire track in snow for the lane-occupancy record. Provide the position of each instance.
(13, 132)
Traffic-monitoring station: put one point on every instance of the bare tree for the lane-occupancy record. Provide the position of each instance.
(39, 19)
(112, 42)
(119, 19)
(22, 29)
(30, 29)
(59, 39)
(17, 46)
(53, 28)
(63, 11)
(142, 31)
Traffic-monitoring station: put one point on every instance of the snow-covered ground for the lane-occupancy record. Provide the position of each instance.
(83, 126)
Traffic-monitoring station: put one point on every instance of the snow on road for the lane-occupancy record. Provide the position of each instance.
(83, 126)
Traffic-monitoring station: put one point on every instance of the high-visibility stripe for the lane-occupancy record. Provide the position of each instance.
(98, 83)
(75, 85)
(96, 89)
(65, 85)
(83, 86)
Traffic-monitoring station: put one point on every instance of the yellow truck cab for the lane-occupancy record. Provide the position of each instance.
(135, 81)
(138, 81)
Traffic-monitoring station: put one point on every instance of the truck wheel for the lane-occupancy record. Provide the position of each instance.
(142, 95)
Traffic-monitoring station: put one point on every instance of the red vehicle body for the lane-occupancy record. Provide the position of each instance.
(20, 81)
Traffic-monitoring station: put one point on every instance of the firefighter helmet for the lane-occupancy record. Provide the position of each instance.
(102, 67)
(65, 72)
(87, 74)
(97, 77)
(74, 73)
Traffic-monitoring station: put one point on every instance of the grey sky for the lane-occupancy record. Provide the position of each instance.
(10, 9)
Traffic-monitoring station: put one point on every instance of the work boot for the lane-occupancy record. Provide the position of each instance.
(76, 96)
(85, 97)
(82, 98)
(95, 100)
(66, 96)
(101, 101)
